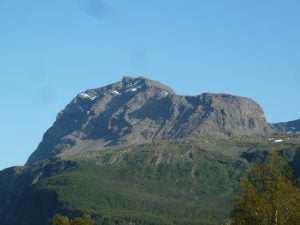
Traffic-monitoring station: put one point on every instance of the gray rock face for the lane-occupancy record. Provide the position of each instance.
(138, 110)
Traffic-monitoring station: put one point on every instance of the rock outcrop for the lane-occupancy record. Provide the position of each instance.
(139, 110)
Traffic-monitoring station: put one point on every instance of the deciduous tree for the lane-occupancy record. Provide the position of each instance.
(270, 196)
(63, 220)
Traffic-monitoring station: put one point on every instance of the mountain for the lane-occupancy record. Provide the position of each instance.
(291, 126)
(134, 152)
(139, 110)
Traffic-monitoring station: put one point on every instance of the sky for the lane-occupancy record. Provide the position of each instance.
(52, 50)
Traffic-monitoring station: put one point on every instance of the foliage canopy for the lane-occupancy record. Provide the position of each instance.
(270, 196)
(64, 220)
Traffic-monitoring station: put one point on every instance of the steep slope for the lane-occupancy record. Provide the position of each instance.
(17, 182)
(138, 110)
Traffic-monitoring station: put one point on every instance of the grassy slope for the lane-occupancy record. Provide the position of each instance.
(178, 182)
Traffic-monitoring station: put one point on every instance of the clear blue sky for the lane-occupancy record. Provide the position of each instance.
(51, 50)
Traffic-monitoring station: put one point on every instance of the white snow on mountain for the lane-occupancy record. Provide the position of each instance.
(85, 96)
(116, 92)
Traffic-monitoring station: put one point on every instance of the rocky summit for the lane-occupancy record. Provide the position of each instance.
(139, 111)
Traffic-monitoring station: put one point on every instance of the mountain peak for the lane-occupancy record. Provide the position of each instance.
(141, 81)
(128, 86)
(139, 110)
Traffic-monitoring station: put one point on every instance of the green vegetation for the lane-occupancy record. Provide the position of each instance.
(270, 196)
(182, 192)
(64, 220)
(178, 182)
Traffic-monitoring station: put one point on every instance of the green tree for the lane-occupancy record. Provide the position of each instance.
(270, 197)
(84, 220)
(63, 220)
(60, 220)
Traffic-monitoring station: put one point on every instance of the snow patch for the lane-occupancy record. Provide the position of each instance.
(278, 141)
(136, 87)
(293, 128)
(165, 93)
(85, 96)
(116, 92)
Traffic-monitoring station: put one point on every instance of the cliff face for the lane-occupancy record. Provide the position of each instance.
(138, 110)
